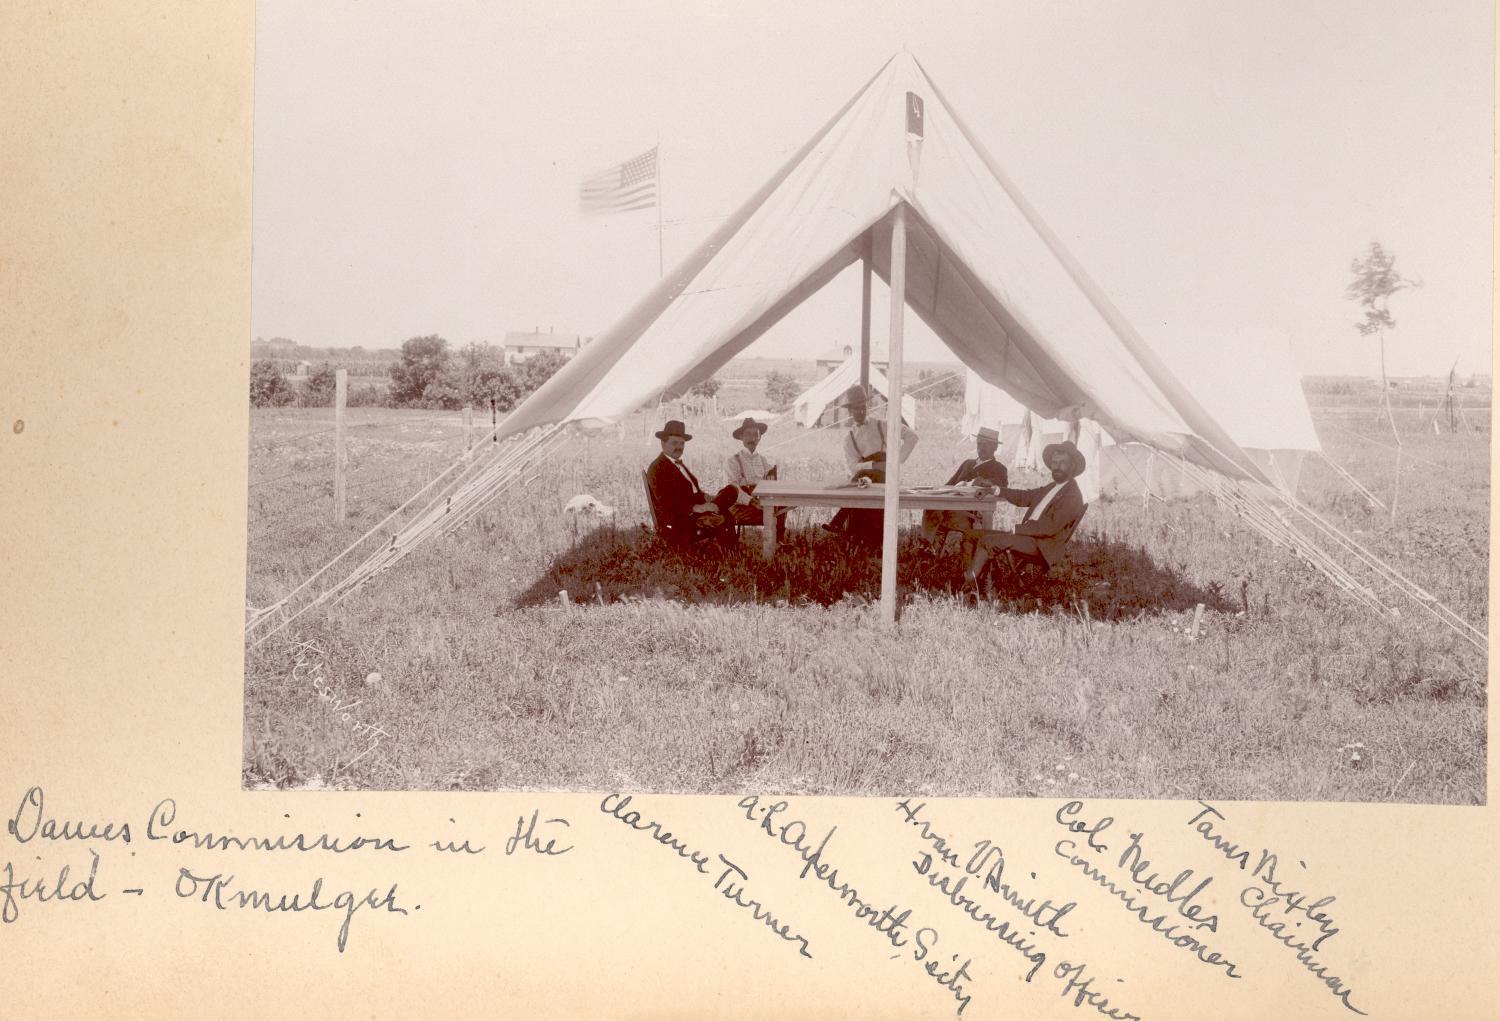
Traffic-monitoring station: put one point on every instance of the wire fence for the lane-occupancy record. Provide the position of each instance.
(434, 437)
(274, 506)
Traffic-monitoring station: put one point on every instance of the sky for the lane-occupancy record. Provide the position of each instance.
(1215, 167)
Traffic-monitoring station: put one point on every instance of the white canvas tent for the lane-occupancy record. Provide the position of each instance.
(897, 180)
(981, 269)
(894, 180)
(1247, 378)
(809, 407)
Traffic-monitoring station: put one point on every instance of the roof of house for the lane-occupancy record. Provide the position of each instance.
(534, 339)
(836, 355)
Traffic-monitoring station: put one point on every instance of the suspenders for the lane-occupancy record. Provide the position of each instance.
(879, 427)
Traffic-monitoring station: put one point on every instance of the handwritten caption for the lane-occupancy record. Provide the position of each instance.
(957, 910)
(226, 891)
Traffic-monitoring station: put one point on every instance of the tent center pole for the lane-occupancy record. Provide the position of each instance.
(893, 442)
(864, 311)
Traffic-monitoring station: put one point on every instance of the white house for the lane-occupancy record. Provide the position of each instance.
(521, 346)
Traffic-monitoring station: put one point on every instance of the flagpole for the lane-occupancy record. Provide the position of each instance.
(659, 272)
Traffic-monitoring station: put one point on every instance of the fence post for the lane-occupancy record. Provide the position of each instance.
(340, 455)
(468, 427)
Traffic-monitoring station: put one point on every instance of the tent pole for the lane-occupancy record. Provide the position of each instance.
(656, 165)
(864, 311)
(893, 419)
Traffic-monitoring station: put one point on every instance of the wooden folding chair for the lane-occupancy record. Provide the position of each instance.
(651, 502)
(656, 516)
(760, 524)
(1016, 560)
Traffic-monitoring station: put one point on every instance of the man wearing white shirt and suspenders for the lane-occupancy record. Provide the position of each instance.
(746, 469)
(865, 453)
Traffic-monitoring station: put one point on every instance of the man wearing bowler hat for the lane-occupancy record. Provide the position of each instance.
(1052, 512)
(683, 513)
(981, 471)
(746, 469)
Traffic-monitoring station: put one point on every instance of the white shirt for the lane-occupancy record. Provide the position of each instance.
(868, 437)
(1035, 511)
(745, 468)
(685, 473)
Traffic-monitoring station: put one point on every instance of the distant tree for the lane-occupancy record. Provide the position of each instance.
(371, 395)
(478, 374)
(782, 388)
(318, 391)
(1375, 280)
(422, 362)
(268, 386)
(706, 388)
(539, 368)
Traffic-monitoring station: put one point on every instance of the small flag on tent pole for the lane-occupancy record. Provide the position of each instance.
(631, 185)
(914, 114)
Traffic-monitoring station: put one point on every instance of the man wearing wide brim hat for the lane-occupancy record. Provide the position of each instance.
(865, 443)
(1052, 512)
(684, 515)
(745, 470)
(981, 471)
(865, 453)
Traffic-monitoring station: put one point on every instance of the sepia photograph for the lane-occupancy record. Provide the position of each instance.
(1006, 401)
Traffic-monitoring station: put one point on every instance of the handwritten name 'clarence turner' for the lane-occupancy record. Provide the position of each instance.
(732, 890)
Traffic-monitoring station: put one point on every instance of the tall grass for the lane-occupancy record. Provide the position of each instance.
(717, 671)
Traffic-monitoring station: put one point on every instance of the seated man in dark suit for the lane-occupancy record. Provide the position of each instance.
(1052, 511)
(982, 471)
(684, 515)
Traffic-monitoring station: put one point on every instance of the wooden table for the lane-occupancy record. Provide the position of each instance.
(772, 494)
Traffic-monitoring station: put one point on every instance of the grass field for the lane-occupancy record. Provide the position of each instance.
(729, 674)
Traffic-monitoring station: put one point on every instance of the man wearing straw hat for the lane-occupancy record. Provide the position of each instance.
(746, 469)
(683, 513)
(981, 471)
(865, 452)
(1052, 512)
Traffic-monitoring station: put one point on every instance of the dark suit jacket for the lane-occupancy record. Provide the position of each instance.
(1053, 529)
(674, 496)
(972, 471)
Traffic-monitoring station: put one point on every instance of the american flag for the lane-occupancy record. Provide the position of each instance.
(631, 185)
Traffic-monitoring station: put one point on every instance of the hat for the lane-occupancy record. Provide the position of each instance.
(673, 428)
(986, 433)
(1074, 454)
(856, 394)
(747, 425)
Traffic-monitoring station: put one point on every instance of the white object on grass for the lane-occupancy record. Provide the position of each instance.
(586, 504)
